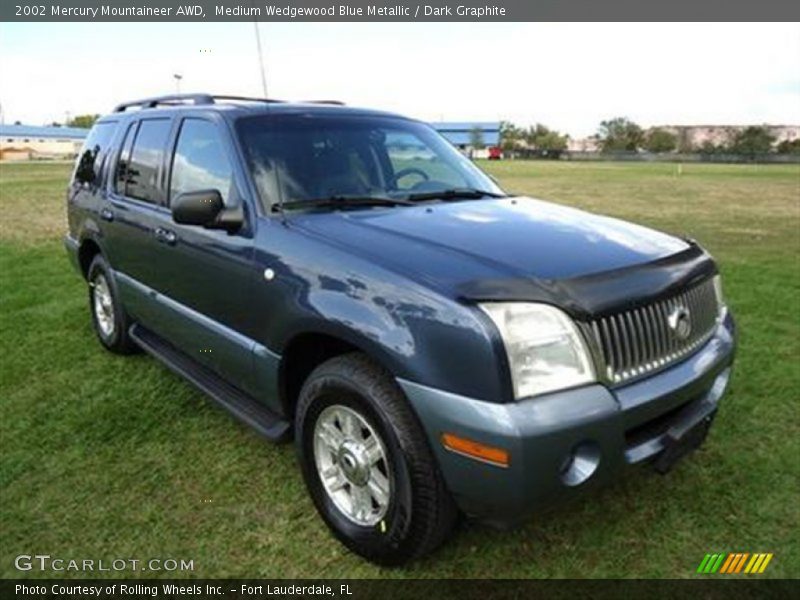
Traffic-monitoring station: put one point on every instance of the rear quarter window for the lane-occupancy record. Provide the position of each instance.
(90, 165)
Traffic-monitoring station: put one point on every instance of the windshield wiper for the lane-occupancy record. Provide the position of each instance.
(453, 194)
(340, 200)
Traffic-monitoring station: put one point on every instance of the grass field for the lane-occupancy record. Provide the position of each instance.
(106, 457)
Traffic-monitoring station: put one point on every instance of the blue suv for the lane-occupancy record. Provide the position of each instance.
(435, 346)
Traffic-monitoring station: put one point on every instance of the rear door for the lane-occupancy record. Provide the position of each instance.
(136, 206)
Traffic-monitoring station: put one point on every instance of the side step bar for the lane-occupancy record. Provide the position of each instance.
(239, 404)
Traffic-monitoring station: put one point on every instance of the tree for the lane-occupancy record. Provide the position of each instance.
(83, 121)
(476, 138)
(684, 141)
(660, 140)
(752, 141)
(708, 148)
(620, 134)
(547, 142)
(511, 136)
(789, 147)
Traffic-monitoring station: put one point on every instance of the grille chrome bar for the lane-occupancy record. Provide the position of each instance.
(639, 341)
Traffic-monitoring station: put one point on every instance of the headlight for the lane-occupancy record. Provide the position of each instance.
(546, 352)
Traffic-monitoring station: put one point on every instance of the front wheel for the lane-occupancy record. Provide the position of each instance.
(367, 464)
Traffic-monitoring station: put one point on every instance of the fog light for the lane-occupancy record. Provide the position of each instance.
(580, 464)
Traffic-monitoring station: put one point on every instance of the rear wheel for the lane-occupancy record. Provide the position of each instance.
(367, 464)
(109, 319)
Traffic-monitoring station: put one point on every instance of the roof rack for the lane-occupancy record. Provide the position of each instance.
(160, 100)
(200, 100)
(178, 99)
(334, 102)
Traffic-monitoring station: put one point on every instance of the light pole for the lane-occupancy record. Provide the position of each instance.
(177, 77)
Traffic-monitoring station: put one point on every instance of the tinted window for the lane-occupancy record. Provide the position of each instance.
(200, 161)
(121, 177)
(298, 158)
(92, 158)
(142, 170)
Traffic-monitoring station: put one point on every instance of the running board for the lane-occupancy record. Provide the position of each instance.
(239, 404)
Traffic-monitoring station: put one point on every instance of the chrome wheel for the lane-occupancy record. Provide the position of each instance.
(103, 305)
(352, 464)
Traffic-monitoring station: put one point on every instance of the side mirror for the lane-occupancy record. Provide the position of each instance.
(205, 208)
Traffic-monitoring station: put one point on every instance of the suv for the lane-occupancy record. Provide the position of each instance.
(434, 346)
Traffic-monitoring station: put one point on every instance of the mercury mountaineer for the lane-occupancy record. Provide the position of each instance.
(435, 346)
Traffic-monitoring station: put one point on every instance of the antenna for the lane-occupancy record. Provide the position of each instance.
(261, 60)
(177, 77)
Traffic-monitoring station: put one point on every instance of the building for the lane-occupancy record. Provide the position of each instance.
(30, 142)
(462, 136)
(589, 144)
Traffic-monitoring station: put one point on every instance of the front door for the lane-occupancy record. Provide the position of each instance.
(206, 275)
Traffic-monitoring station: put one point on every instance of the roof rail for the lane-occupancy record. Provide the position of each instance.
(202, 99)
(334, 102)
(171, 99)
(245, 99)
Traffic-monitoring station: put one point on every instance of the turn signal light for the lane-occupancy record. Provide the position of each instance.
(476, 450)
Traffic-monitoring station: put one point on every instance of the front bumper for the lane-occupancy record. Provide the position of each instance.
(564, 443)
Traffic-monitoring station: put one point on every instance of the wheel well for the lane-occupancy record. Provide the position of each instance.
(304, 354)
(86, 253)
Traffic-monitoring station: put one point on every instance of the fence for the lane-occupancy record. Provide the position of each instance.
(682, 157)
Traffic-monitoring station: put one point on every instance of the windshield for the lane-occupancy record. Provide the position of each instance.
(297, 158)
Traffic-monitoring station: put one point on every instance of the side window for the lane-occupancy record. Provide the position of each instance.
(121, 176)
(200, 161)
(89, 166)
(142, 169)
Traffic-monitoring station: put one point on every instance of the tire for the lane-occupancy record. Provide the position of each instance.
(417, 513)
(109, 320)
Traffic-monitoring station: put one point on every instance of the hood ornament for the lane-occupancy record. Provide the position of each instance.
(680, 322)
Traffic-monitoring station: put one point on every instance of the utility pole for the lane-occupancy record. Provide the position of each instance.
(261, 60)
(177, 77)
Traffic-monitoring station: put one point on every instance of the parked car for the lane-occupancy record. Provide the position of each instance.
(434, 345)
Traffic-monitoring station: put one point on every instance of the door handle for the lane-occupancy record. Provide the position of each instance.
(106, 215)
(166, 236)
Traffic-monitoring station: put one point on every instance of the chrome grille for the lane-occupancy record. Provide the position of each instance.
(638, 341)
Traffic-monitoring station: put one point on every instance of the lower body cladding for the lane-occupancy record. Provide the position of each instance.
(561, 444)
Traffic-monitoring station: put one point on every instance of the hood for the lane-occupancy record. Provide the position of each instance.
(470, 244)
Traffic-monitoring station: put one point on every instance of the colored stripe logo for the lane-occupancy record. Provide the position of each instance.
(734, 563)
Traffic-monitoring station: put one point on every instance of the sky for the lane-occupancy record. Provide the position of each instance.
(569, 76)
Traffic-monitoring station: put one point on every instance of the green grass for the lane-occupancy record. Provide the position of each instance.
(106, 457)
